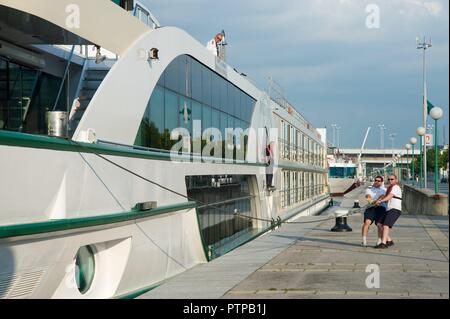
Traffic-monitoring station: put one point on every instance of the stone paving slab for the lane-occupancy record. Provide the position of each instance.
(214, 279)
(307, 261)
(327, 267)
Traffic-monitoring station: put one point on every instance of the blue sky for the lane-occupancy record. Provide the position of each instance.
(332, 68)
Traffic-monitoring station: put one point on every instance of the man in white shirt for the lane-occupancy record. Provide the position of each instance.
(393, 198)
(374, 213)
(213, 44)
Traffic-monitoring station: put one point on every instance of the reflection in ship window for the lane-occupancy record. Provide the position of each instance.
(187, 80)
(215, 119)
(222, 196)
(196, 80)
(206, 86)
(249, 109)
(171, 111)
(196, 115)
(185, 114)
(237, 100)
(183, 78)
(156, 119)
(224, 96)
(157, 108)
(216, 91)
(171, 75)
(224, 124)
(232, 122)
(206, 117)
(230, 99)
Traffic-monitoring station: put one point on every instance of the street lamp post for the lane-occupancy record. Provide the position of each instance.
(421, 131)
(413, 142)
(392, 137)
(338, 129)
(334, 133)
(424, 46)
(436, 114)
(408, 148)
(383, 128)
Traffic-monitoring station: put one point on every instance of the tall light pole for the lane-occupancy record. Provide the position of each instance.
(421, 131)
(424, 46)
(436, 114)
(392, 137)
(408, 148)
(338, 129)
(413, 142)
(383, 128)
(334, 133)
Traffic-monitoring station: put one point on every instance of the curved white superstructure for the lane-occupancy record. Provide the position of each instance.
(105, 213)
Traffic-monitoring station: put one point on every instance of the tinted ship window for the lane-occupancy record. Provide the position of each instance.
(225, 212)
(187, 91)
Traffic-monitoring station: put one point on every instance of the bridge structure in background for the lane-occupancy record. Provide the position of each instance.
(374, 159)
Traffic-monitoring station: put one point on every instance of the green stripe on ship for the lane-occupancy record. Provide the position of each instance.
(16, 139)
(84, 222)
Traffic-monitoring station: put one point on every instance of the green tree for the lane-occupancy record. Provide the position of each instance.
(443, 159)
(430, 160)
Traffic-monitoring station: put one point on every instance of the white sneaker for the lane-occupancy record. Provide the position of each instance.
(363, 244)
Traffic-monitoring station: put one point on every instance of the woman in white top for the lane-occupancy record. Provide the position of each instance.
(393, 198)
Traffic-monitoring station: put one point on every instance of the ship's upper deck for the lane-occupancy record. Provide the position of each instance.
(100, 22)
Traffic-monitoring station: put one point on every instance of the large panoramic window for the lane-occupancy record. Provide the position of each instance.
(189, 91)
(225, 210)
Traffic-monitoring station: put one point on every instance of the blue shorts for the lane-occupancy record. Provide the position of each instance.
(390, 217)
(374, 214)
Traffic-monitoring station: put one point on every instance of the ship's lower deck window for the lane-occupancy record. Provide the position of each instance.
(225, 202)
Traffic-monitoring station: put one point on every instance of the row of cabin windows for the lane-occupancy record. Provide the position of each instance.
(298, 187)
(172, 107)
(297, 147)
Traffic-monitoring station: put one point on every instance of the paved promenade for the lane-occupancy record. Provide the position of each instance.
(309, 261)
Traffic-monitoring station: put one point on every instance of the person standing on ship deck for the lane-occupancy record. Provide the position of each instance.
(213, 44)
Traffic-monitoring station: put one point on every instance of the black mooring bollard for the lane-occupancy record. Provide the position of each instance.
(341, 222)
(356, 204)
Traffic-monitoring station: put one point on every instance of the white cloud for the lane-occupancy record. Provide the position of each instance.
(435, 8)
(419, 7)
